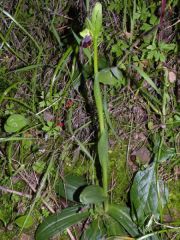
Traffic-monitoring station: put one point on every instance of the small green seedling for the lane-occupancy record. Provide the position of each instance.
(51, 129)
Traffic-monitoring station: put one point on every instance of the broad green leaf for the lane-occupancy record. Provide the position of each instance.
(117, 73)
(166, 153)
(113, 227)
(147, 78)
(28, 220)
(97, 19)
(92, 194)
(122, 216)
(144, 195)
(94, 231)
(103, 150)
(71, 187)
(101, 228)
(110, 76)
(57, 223)
(15, 123)
(102, 62)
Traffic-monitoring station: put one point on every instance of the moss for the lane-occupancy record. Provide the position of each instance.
(174, 203)
(7, 235)
(119, 180)
(118, 177)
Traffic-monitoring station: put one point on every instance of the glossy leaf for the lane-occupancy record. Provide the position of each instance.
(15, 123)
(24, 221)
(71, 187)
(144, 195)
(57, 223)
(92, 194)
(122, 216)
(110, 76)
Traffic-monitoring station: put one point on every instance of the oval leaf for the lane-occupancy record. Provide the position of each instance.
(71, 187)
(92, 195)
(57, 223)
(110, 76)
(24, 221)
(15, 123)
(144, 195)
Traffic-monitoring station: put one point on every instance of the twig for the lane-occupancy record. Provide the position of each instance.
(5, 189)
(34, 190)
(173, 24)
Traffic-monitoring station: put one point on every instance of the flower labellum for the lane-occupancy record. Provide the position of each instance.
(87, 41)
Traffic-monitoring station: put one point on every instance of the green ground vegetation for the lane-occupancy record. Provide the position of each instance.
(89, 120)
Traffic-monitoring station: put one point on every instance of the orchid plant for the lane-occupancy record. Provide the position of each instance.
(105, 219)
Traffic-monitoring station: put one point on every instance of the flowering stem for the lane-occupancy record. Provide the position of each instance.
(99, 105)
(97, 90)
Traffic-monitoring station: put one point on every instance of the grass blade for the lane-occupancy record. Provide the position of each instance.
(21, 27)
(147, 78)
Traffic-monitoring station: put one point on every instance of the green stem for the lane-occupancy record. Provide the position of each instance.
(163, 122)
(99, 105)
(97, 90)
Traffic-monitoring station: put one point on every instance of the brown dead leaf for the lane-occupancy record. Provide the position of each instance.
(25, 237)
(143, 155)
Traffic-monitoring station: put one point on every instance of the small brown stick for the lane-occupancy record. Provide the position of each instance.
(178, 21)
(34, 190)
(5, 189)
